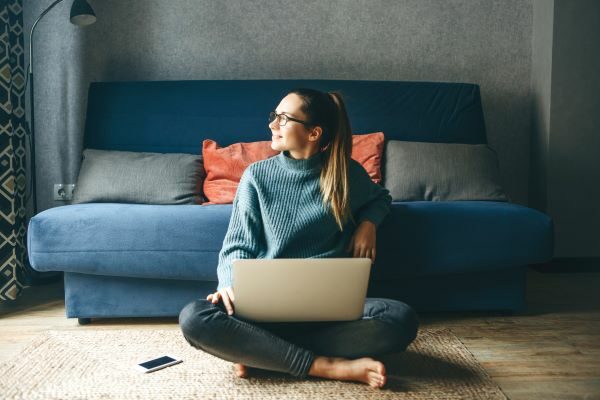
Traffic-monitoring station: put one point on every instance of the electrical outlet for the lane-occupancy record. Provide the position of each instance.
(63, 191)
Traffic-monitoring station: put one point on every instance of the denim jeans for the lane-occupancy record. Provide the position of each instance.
(386, 326)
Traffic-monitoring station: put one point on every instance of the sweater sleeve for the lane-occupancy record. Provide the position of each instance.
(375, 200)
(244, 232)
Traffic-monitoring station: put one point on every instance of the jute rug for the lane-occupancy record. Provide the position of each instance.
(98, 364)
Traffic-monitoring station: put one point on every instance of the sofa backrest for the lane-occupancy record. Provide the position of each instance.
(176, 116)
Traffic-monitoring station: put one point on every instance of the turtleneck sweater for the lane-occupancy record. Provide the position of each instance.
(278, 212)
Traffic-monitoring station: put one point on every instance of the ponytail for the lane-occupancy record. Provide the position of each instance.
(334, 181)
(327, 110)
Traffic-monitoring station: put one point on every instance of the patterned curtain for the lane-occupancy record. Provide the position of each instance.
(15, 271)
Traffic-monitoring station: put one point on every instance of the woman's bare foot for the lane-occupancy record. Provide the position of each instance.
(364, 369)
(241, 370)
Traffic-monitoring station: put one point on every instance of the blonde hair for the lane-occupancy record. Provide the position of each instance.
(328, 110)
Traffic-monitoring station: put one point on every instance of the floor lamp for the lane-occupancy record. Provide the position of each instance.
(82, 14)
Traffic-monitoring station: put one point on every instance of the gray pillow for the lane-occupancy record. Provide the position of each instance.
(138, 177)
(441, 171)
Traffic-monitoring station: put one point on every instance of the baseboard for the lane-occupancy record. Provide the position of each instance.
(568, 264)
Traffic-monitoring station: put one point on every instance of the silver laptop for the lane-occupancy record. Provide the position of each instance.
(300, 289)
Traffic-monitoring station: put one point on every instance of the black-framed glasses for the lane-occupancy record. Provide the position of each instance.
(283, 119)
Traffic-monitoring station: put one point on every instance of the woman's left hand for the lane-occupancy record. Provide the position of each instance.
(362, 243)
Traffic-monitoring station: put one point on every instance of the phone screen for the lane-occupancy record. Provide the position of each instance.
(156, 362)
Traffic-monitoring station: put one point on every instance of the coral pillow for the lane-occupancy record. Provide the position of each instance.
(224, 165)
(367, 150)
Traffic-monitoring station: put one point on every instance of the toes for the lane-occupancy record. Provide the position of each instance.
(378, 367)
(241, 370)
(241, 374)
(381, 368)
(238, 367)
(375, 383)
(374, 378)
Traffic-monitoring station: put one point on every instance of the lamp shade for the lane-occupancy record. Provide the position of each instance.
(82, 13)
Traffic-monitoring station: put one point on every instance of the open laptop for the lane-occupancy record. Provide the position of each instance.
(300, 289)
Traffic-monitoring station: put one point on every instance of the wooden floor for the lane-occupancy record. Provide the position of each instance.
(552, 351)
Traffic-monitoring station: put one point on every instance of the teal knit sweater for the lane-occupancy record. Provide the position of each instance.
(278, 213)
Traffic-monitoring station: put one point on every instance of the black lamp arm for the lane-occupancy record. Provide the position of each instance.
(31, 111)
(32, 29)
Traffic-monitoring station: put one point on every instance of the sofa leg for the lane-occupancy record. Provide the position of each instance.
(84, 321)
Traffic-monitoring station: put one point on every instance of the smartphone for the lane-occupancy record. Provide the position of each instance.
(157, 363)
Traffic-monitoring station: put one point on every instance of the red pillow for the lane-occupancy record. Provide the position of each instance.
(224, 165)
(367, 149)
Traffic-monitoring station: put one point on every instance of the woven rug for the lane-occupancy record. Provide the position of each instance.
(98, 364)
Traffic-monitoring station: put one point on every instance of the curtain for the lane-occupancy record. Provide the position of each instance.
(15, 271)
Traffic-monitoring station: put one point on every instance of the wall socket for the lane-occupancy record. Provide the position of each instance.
(63, 191)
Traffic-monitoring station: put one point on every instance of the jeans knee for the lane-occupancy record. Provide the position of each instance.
(186, 315)
(405, 319)
(194, 315)
(412, 323)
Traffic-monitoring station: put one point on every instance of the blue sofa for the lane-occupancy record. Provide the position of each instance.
(128, 260)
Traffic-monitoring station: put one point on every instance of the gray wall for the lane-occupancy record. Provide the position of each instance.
(573, 166)
(541, 81)
(485, 42)
(566, 123)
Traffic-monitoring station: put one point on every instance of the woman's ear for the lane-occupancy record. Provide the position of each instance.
(315, 133)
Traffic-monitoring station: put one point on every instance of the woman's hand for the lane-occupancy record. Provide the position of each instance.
(362, 243)
(227, 295)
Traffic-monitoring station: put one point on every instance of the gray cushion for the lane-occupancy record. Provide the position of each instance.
(138, 177)
(441, 171)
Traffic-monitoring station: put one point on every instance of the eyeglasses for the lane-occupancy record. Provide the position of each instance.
(283, 119)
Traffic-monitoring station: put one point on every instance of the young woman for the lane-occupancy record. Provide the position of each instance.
(310, 200)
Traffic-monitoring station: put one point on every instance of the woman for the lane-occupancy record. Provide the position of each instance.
(310, 200)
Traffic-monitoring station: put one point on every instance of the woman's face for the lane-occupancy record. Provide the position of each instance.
(293, 135)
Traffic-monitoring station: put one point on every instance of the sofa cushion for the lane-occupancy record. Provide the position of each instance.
(137, 240)
(224, 165)
(139, 177)
(441, 171)
(184, 241)
(449, 237)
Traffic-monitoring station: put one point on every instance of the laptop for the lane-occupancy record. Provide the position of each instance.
(300, 289)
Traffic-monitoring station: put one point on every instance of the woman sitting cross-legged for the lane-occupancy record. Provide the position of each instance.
(310, 200)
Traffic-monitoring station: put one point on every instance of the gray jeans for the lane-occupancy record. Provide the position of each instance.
(387, 326)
